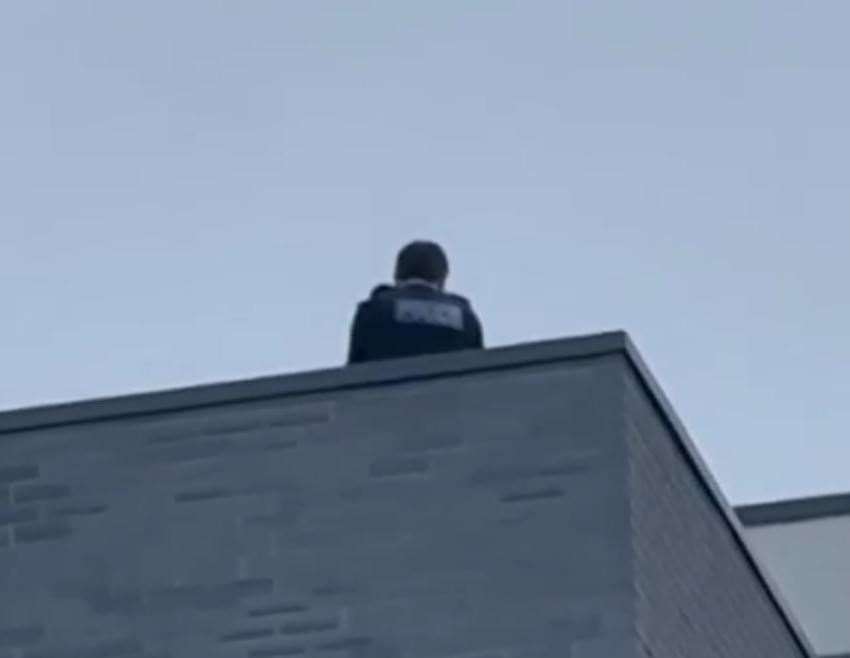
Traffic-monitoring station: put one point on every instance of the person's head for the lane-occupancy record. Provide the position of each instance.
(422, 260)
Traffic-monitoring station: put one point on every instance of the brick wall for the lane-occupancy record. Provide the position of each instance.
(697, 596)
(522, 512)
(479, 516)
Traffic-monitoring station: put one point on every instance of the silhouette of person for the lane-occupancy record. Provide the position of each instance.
(416, 315)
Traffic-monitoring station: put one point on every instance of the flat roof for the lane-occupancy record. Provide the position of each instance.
(405, 370)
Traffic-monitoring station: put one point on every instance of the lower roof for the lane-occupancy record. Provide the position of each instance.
(795, 510)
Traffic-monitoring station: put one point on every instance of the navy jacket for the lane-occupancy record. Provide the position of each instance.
(412, 319)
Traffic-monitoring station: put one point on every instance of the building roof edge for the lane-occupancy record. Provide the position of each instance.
(693, 457)
(319, 381)
(794, 510)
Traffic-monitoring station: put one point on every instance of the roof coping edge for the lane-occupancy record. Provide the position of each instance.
(794, 510)
(319, 381)
(692, 455)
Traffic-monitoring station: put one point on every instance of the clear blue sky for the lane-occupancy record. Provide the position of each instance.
(197, 191)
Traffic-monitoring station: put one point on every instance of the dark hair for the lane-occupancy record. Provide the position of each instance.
(422, 260)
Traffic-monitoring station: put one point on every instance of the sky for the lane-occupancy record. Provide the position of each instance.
(201, 191)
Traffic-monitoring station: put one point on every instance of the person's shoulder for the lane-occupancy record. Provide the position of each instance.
(376, 299)
(468, 309)
(459, 299)
(384, 292)
(381, 292)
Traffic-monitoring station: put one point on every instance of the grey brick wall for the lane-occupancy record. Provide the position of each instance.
(481, 516)
(697, 596)
(542, 511)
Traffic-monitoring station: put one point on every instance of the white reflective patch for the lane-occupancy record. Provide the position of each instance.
(417, 311)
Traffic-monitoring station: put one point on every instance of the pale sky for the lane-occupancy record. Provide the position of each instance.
(199, 191)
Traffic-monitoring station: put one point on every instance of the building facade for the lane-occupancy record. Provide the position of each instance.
(541, 501)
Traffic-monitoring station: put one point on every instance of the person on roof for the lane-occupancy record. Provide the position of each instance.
(416, 315)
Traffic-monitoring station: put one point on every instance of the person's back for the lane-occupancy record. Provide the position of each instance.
(416, 316)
